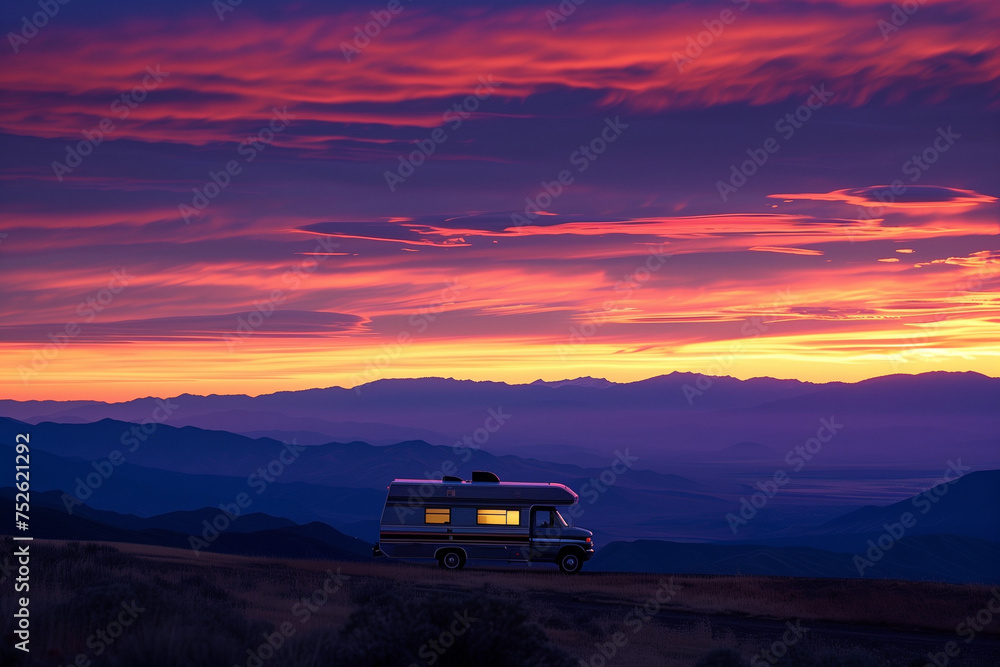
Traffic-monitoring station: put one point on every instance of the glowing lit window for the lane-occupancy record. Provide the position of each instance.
(499, 517)
(435, 515)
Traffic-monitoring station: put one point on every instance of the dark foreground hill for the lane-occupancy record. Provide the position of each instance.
(219, 609)
(947, 558)
(968, 504)
(203, 531)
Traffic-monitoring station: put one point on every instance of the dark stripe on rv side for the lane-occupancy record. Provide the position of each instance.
(400, 534)
(450, 537)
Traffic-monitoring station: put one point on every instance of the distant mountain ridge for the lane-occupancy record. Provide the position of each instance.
(207, 452)
(967, 387)
(667, 419)
(585, 381)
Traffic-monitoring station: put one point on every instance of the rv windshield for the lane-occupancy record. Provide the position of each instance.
(549, 517)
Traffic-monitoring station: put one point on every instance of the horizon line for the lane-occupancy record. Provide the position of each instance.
(538, 381)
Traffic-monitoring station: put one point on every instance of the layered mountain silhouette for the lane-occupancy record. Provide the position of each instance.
(666, 419)
(967, 506)
(875, 546)
(950, 533)
(654, 462)
(209, 530)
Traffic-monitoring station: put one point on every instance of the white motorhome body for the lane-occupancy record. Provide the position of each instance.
(452, 520)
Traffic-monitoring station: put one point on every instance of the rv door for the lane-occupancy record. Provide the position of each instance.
(546, 533)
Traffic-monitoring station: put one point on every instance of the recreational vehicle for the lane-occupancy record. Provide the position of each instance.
(452, 520)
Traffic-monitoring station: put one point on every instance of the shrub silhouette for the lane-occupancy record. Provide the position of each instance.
(182, 623)
(398, 629)
(362, 592)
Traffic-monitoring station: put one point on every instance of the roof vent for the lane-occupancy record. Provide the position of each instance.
(451, 478)
(484, 476)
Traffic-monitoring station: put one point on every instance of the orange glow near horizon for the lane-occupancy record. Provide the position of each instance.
(806, 318)
(154, 266)
(107, 373)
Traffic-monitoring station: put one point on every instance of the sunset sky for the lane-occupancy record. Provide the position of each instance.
(494, 192)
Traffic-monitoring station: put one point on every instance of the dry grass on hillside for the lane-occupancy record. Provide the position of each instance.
(212, 609)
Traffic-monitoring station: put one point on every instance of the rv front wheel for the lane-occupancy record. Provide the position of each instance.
(452, 560)
(570, 562)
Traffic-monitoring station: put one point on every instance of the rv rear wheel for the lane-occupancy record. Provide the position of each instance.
(570, 562)
(452, 560)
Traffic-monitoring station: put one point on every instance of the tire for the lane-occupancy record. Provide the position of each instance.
(452, 560)
(570, 562)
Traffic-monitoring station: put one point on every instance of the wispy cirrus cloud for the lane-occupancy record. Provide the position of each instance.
(224, 79)
(910, 197)
(858, 276)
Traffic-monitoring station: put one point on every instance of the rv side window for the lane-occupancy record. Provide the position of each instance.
(498, 517)
(549, 519)
(437, 515)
